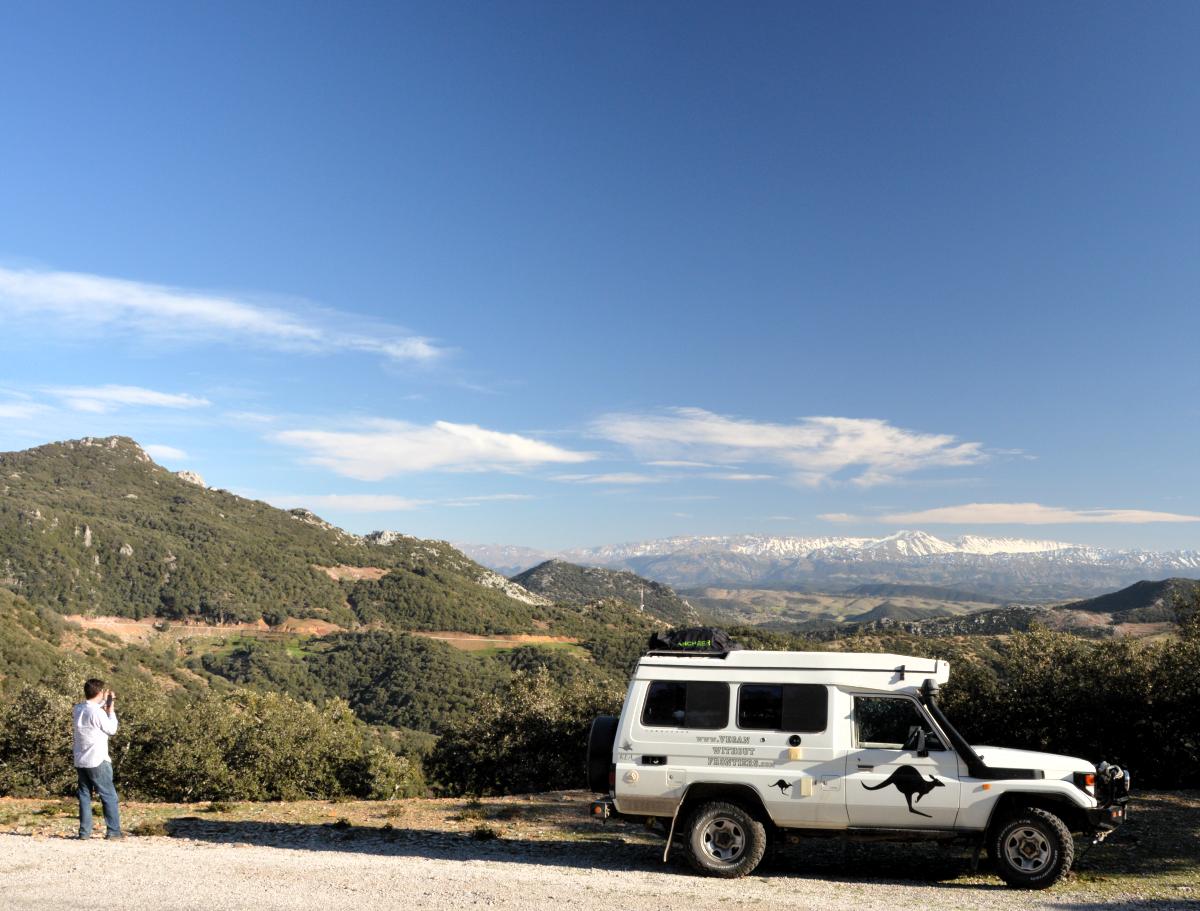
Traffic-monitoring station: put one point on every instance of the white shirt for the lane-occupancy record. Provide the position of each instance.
(91, 729)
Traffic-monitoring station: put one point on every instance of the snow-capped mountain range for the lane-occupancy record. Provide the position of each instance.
(1014, 568)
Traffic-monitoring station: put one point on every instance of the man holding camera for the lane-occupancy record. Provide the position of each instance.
(95, 720)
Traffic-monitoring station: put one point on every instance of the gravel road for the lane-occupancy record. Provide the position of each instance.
(180, 874)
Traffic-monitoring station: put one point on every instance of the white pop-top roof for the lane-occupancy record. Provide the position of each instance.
(859, 669)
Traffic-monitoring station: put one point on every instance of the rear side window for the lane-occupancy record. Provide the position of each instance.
(679, 704)
(799, 707)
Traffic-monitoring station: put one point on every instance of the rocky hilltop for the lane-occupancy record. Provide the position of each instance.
(569, 583)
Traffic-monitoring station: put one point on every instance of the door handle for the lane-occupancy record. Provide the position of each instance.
(865, 768)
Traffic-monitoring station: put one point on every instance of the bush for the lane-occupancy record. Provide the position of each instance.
(1133, 702)
(238, 746)
(530, 737)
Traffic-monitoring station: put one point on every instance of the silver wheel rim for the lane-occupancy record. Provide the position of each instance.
(723, 839)
(1028, 849)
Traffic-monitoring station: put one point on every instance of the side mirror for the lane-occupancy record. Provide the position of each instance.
(922, 748)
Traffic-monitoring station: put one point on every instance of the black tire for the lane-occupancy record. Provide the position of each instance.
(724, 839)
(601, 739)
(1032, 849)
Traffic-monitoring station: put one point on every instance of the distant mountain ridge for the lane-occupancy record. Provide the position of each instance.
(1003, 568)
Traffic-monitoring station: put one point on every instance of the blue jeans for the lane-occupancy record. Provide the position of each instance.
(99, 779)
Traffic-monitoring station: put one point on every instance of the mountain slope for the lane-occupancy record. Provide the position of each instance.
(1142, 602)
(569, 583)
(95, 526)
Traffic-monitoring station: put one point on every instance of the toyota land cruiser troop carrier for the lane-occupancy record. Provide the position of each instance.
(727, 748)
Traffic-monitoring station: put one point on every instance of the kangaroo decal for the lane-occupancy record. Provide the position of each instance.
(908, 781)
(781, 784)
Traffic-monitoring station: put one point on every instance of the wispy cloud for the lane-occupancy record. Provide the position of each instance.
(614, 477)
(382, 502)
(813, 450)
(18, 410)
(349, 502)
(480, 499)
(81, 299)
(385, 448)
(1017, 514)
(162, 451)
(102, 399)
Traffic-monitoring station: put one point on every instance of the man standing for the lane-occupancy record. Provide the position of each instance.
(95, 720)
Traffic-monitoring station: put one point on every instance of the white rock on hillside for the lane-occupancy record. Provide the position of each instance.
(489, 579)
(191, 477)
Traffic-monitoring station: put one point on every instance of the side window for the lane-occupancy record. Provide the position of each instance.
(676, 704)
(886, 723)
(798, 707)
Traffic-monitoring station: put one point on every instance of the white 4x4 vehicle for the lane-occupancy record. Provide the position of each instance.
(731, 748)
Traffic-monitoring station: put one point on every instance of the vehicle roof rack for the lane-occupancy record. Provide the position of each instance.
(692, 642)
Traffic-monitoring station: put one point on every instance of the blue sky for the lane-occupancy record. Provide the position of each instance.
(562, 274)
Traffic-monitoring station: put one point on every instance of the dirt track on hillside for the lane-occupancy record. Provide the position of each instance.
(331, 872)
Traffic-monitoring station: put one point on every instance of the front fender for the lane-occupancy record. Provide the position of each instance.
(980, 799)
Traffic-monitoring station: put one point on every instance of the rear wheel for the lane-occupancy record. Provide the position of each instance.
(723, 839)
(1032, 850)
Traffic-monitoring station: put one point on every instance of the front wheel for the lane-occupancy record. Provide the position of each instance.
(1032, 850)
(723, 839)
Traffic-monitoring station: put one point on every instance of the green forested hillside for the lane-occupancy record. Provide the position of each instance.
(572, 584)
(94, 526)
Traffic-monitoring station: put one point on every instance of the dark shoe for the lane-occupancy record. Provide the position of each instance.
(114, 836)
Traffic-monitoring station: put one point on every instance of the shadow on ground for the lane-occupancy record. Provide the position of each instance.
(827, 859)
(1163, 835)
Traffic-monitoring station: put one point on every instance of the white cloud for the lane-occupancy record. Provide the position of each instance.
(80, 299)
(616, 477)
(349, 502)
(480, 499)
(1026, 514)
(386, 448)
(102, 399)
(680, 463)
(813, 450)
(161, 451)
(739, 476)
(839, 517)
(17, 411)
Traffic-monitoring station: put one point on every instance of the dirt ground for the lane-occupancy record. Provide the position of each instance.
(530, 851)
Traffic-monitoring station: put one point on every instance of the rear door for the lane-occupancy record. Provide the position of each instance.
(888, 783)
(788, 724)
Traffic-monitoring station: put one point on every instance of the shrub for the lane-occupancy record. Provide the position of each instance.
(530, 737)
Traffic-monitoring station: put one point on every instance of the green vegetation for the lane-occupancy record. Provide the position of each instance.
(568, 583)
(94, 526)
(240, 746)
(531, 737)
(428, 598)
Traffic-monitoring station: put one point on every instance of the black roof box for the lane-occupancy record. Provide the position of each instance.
(702, 641)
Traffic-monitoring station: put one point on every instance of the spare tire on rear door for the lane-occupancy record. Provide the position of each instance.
(600, 752)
